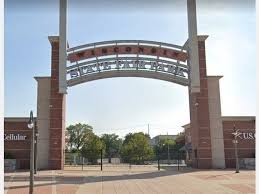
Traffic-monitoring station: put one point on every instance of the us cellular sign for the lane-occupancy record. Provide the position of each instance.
(244, 135)
(14, 137)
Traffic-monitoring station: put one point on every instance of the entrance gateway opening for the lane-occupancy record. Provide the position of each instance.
(184, 65)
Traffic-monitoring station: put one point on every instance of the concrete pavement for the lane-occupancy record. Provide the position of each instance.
(137, 180)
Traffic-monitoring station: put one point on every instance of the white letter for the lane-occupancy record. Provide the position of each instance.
(141, 65)
(73, 73)
(126, 65)
(180, 72)
(153, 65)
(171, 69)
(106, 66)
(160, 67)
(118, 64)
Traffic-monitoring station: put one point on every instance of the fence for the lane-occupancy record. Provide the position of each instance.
(170, 158)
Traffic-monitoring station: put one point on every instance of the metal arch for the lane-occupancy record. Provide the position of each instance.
(128, 73)
(108, 67)
(116, 42)
(77, 65)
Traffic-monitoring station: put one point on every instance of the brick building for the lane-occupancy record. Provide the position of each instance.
(246, 138)
(17, 141)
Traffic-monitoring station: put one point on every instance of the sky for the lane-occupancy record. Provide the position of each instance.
(123, 105)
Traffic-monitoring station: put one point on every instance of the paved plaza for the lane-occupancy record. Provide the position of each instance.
(137, 180)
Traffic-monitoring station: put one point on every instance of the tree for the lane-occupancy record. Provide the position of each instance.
(92, 148)
(112, 145)
(180, 139)
(161, 148)
(76, 136)
(136, 148)
(127, 138)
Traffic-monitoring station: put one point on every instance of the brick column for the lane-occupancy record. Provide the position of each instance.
(56, 111)
(199, 115)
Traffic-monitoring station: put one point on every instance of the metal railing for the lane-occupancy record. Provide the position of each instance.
(175, 159)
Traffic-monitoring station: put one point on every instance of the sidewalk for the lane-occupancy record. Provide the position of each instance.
(114, 181)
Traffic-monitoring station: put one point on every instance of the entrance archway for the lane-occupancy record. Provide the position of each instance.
(206, 132)
(184, 65)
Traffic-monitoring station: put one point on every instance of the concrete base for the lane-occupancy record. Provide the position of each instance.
(247, 163)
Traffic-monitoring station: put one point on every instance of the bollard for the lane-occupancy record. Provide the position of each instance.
(101, 160)
(83, 164)
(178, 161)
(158, 163)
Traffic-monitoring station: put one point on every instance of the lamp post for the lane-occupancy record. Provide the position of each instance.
(31, 126)
(101, 159)
(159, 152)
(168, 156)
(164, 149)
(35, 151)
(236, 133)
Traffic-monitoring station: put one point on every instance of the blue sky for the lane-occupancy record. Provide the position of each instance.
(123, 105)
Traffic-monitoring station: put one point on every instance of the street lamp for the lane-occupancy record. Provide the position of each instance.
(31, 126)
(236, 133)
(35, 151)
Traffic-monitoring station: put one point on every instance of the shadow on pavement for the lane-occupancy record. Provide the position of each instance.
(62, 178)
(82, 179)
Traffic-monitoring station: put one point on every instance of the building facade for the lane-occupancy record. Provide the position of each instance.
(245, 137)
(17, 141)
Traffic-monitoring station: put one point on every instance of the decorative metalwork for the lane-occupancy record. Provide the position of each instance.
(127, 58)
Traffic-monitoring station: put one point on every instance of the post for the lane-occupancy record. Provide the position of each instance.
(235, 145)
(158, 159)
(101, 159)
(158, 163)
(62, 46)
(178, 160)
(74, 158)
(31, 126)
(236, 155)
(196, 157)
(193, 46)
(83, 163)
(36, 153)
(168, 153)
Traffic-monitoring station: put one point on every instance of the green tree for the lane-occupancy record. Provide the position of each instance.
(162, 147)
(76, 136)
(167, 142)
(127, 138)
(112, 145)
(136, 148)
(92, 148)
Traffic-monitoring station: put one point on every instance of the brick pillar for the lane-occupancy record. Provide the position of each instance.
(199, 116)
(56, 111)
